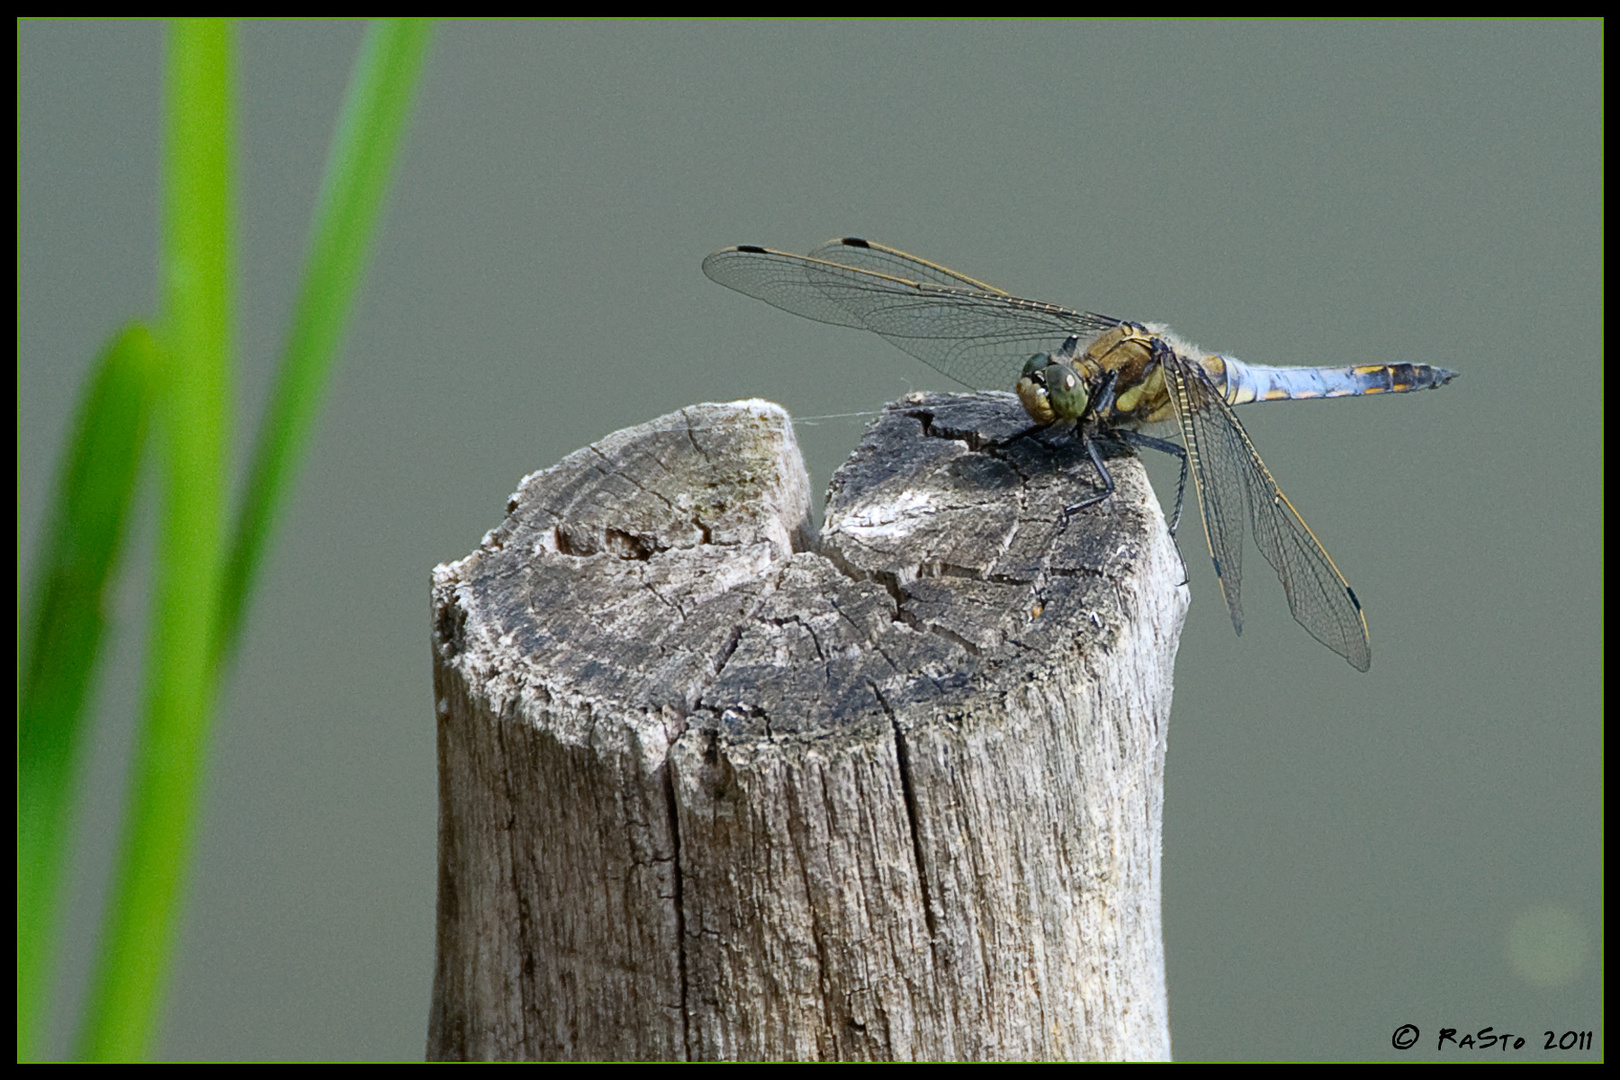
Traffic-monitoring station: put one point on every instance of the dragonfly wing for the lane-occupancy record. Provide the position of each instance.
(1232, 482)
(790, 282)
(980, 339)
(892, 262)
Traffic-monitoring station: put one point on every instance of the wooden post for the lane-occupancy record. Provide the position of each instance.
(713, 789)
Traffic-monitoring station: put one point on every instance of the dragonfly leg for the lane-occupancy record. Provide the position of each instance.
(1164, 446)
(1102, 471)
(1066, 351)
(1102, 398)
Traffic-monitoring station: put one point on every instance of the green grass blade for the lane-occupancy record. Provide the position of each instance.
(129, 984)
(78, 557)
(365, 144)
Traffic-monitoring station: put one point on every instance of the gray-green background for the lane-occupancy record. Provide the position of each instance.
(1344, 853)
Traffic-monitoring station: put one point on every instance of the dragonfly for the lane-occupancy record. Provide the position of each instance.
(1110, 378)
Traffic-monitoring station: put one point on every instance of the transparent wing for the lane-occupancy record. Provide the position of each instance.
(878, 258)
(1232, 481)
(966, 330)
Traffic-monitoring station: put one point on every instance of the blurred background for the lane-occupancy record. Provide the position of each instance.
(1344, 853)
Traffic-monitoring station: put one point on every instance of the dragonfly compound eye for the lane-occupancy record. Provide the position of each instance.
(1066, 390)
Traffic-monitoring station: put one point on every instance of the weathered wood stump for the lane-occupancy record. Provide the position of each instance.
(713, 789)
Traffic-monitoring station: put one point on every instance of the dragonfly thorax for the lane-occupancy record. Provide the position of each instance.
(1131, 353)
(1118, 375)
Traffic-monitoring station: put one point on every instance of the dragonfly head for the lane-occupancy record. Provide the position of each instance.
(1052, 390)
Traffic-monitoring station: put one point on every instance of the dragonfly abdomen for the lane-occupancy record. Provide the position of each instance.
(1260, 382)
